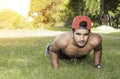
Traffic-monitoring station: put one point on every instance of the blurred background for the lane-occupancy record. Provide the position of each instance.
(47, 14)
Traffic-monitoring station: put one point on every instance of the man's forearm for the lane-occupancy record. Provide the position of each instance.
(97, 57)
(54, 60)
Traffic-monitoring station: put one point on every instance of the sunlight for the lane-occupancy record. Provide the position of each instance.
(39, 33)
(28, 33)
(20, 6)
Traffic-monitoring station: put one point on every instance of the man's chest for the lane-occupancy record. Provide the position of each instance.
(77, 51)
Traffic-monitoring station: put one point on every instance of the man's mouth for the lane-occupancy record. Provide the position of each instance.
(81, 42)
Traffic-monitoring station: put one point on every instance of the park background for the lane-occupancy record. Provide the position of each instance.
(36, 14)
(27, 26)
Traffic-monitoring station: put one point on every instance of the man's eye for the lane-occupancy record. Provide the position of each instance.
(86, 34)
(77, 33)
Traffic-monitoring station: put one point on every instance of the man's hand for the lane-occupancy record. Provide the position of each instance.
(98, 66)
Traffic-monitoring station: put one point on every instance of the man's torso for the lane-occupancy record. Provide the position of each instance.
(72, 50)
(75, 51)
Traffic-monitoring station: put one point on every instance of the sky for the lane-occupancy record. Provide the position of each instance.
(20, 6)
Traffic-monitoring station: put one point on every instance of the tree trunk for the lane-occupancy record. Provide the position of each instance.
(104, 13)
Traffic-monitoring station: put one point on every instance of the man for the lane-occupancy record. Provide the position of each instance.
(76, 44)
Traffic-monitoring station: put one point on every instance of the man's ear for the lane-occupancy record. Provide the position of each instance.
(90, 32)
(73, 29)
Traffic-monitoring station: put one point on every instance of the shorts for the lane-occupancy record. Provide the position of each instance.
(61, 55)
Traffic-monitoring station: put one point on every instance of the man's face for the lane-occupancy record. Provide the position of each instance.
(80, 37)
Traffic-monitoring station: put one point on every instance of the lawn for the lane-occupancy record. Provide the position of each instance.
(24, 58)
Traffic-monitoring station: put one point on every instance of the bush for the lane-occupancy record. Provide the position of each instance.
(12, 20)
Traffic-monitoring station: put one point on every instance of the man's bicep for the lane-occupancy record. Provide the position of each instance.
(58, 45)
(98, 48)
(54, 48)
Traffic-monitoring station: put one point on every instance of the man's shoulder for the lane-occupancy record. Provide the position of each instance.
(62, 39)
(60, 42)
(95, 39)
(96, 36)
(64, 36)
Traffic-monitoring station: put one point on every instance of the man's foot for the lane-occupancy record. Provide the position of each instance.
(47, 49)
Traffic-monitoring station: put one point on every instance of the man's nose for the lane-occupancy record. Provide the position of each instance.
(81, 37)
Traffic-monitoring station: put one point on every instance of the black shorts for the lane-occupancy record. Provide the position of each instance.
(61, 55)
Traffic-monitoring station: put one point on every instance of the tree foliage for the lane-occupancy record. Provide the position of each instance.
(12, 20)
(43, 11)
(51, 12)
(111, 12)
(61, 13)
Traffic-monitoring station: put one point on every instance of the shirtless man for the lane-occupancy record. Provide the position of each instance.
(76, 43)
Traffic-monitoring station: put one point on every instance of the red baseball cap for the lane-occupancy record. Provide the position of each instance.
(78, 19)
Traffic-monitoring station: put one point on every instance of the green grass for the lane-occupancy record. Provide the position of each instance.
(60, 28)
(24, 58)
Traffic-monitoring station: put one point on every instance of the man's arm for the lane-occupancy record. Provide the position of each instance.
(58, 44)
(54, 60)
(98, 56)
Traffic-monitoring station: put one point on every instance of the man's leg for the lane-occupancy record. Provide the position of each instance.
(47, 49)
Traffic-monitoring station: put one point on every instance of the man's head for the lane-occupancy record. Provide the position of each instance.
(81, 30)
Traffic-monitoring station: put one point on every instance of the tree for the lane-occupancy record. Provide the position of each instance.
(43, 11)
(109, 7)
(92, 9)
(10, 19)
(51, 12)
(72, 8)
